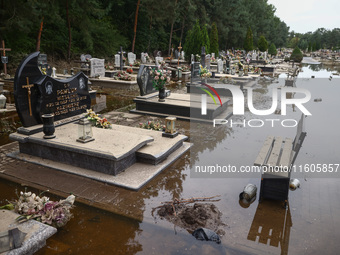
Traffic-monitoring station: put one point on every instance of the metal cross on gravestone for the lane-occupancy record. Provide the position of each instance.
(28, 87)
(121, 52)
(203, 56)
(4, 58)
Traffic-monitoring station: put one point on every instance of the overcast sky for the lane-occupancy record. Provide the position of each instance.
(304, 16)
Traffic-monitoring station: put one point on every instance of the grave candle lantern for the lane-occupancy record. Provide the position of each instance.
(170, 130)
(84, 131)
(170, 125)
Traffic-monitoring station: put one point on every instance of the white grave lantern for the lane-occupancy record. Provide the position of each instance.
(84, 131)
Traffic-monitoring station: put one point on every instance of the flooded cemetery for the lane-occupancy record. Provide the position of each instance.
(218, 145)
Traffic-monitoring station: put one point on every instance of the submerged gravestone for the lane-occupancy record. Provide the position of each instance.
(36, 94)
(144, 80)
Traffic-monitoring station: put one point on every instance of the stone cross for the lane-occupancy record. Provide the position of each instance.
(28, 87)
(121, 52)
(3, 58)
(179, 52)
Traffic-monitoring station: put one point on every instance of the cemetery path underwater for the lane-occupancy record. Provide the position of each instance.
(113, 220)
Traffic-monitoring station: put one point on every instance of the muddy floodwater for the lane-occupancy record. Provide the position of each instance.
(309, 225)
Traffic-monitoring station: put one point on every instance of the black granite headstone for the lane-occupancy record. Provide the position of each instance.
(144, 80)
(203, 56)
(36, 94)
(195, 72)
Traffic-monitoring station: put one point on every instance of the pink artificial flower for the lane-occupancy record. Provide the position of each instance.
(162, 78)
(157, 77)
(168, 79)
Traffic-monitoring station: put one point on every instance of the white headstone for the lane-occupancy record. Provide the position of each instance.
(219, 66)
(97, 67)
(207, 61)
(143, 58)
(158, 60)
(117, 60)
(213, 55)
(265, 55)
(192, 58)
(253, 56)
(182, 54)
(131, 58)
(54, 72)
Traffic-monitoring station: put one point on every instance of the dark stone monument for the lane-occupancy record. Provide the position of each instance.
(36, 94)
(203, 56)
(195, 72)
(144, 80)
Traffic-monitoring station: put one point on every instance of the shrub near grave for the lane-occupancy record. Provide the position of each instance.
(297, 55)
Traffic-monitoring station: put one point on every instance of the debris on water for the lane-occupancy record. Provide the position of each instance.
(317, 99)
(192, 217)
(206, 234)
(248, 195)
(294, 184)
(249, 192)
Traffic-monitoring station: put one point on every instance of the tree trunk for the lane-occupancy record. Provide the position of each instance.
(182, 30)
(135, 27)
(150, 34)
(172, 28)
(39, 35)
(69, 34)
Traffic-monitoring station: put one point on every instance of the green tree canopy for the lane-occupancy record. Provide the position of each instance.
(248, 42)
(262, 43)
(272, 49)
(205, 38)
(214, 39)
(193, 41)
(297, 55)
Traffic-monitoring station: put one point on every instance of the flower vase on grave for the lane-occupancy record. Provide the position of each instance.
(48, 125)
(161, 95)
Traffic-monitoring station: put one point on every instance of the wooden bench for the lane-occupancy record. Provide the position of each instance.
(276, 159)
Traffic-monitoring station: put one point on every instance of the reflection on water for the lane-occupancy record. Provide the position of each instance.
(271, 225)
